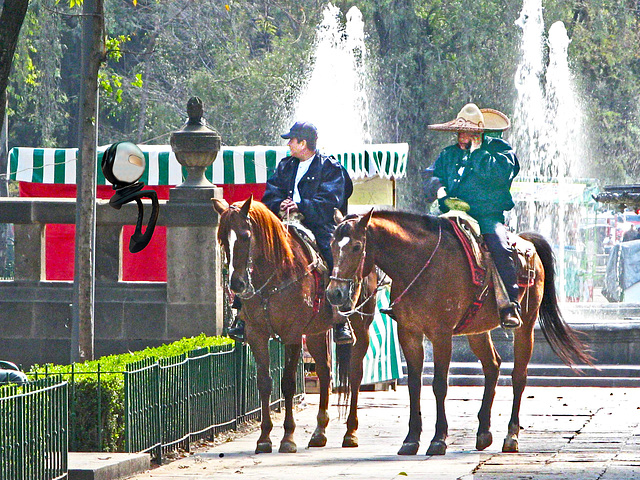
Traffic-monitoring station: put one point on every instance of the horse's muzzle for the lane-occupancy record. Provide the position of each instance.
(339, 296)
(239, 285)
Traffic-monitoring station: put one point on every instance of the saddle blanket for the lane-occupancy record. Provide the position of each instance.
(318, 266)
(468, 232)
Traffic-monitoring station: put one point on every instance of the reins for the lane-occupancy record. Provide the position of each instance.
(425, 266)
(358, 308)
(353, 282)
(265, 294)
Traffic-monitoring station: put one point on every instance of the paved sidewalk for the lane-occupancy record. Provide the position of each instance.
(569, 433)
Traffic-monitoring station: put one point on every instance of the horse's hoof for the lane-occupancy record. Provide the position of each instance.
(409, 448)
(437, 447)
(349, 441)
(264, 447)
(288, 447)
(483, 440)
(510, 445)
(318, 440)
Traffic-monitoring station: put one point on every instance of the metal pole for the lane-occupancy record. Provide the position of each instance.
(4, 151)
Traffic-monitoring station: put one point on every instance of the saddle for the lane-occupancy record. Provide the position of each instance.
(317, 267)
(480, 262)
(468, 232)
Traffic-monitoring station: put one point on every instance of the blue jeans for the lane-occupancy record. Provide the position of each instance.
(501, 254)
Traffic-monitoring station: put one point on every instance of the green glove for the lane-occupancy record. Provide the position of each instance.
(454, 203)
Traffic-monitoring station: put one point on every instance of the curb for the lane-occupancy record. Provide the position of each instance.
(106, 465)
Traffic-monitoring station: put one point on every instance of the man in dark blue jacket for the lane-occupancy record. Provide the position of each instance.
(312, 185)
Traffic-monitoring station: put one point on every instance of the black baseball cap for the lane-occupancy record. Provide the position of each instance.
(302, 131)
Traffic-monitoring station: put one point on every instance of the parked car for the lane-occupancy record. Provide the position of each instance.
(10, 373)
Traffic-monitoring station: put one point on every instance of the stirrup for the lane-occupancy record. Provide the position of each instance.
(343, 334)
(510, 317)
(236, 331)
(389, 312)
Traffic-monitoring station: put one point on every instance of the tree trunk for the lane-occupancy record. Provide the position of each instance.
(93, 54)
(11, 19)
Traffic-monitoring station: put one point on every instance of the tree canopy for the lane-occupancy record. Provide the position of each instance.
(248, 60)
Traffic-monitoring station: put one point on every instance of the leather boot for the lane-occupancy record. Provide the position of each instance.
(236, 331)
(389, 312)
(342, 334)
(510, 316)
(507, 284)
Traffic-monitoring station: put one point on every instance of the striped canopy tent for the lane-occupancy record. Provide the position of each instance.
(382, 363)
(234, 165)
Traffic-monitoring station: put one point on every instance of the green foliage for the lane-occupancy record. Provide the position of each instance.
(97, 406)
(248, 60)
(604, 47)
(114, 45)
(36, 102)
(138, 80)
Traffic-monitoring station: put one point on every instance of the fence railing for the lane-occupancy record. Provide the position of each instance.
(168, 403)
(33, 431)
(172, 402)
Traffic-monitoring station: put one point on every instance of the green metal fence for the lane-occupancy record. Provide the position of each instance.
(33, 431)
(171, 402)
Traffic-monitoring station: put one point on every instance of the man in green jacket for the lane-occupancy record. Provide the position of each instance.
(475, 175)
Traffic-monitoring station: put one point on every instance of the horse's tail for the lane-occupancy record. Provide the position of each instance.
(563, 339)
(343, 366)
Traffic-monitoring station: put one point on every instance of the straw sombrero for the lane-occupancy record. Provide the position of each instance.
(474, 120)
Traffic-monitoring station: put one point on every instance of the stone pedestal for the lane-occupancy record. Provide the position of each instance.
(194, 270)
(29, 239)
(108, 261)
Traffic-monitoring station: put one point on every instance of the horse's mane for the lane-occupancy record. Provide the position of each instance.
(428, 222)
(395, 218)
(274, 240)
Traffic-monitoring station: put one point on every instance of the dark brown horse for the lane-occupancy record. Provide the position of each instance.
(432, 289)
(273, 274)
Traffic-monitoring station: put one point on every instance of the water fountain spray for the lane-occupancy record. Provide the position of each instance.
(335, 98)
(547, 134)
(528, 115)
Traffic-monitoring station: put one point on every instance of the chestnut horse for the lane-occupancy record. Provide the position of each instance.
(271, 271)
(431, 291)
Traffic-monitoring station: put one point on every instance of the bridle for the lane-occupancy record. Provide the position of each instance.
(251, 292)
(263, 293)
(353, 282)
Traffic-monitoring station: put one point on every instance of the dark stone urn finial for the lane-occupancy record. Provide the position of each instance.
(195, 110)
(196, 146)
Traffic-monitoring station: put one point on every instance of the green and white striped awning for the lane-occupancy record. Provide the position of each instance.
(382, 362)
(234, 165)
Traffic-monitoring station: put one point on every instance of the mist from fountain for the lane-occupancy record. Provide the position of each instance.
(563, 137)
(547, 135)
(528, 115)
(335, 98)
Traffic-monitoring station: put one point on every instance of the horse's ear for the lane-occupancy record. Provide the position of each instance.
(364, 220)
(244, 210)
(220, 205)
(338, 217)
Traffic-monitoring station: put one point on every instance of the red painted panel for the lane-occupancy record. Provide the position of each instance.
(149, 265)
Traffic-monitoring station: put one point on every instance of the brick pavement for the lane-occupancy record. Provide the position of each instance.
(572, 433)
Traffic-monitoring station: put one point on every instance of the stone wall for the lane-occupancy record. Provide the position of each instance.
(35, 315)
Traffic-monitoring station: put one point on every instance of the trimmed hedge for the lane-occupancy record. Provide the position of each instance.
(96, 392)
